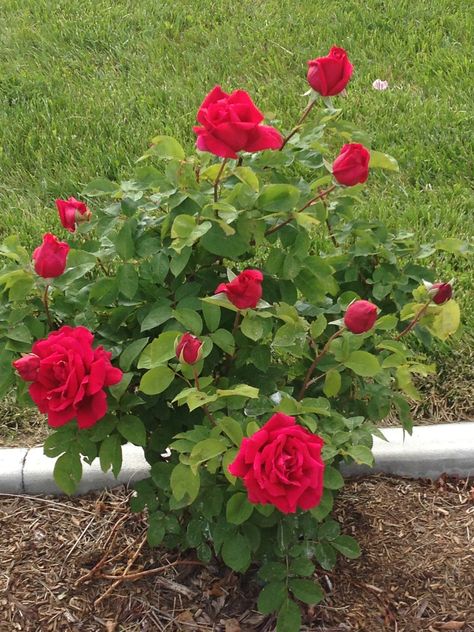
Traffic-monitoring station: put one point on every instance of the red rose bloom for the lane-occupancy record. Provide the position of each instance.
(281, 464)
(444, 292)
(50, 257)
(352, 165)
(69, 377)
(27, 366)
(245, 290)
(72, 212)
(188, 349)
(231, 123)
(360, 316)
(330, 75)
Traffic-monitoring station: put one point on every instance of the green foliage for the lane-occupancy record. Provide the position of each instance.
(145, 270)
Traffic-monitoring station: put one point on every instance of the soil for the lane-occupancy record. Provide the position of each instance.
(416, 571)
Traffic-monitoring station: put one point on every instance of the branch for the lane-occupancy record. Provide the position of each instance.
(297, 127)
(218, 177)
(317, 359)
(415, 320)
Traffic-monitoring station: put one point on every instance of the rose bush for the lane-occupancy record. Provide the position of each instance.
(248, 318)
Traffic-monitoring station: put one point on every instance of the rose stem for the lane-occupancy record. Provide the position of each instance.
(320, 196)
(218, 177)
(205, 408)
(315, 362)
(410, 325)
(306, 111)
(46, 307)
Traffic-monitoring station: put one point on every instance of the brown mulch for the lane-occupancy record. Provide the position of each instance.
(416, 572)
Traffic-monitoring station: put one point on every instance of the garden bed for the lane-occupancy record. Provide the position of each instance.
(416, 571)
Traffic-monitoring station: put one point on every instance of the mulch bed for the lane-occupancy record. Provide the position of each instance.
(416, 572)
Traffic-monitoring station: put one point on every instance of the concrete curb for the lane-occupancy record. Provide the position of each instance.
(429, 452)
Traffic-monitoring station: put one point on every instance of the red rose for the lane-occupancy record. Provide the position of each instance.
(352, 165)
(188, 349)
(444, 292)
(72, 212)
(330, 75)
(245, 290)
(50, 257)
(360, 316)
(231, 123)
(27, 366)
(281, 464)
(70, 379)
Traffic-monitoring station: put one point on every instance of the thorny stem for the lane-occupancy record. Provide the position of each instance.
(46, 307)
(306, 111)
(218, 177)
(415, 320)
(102, 267)
(321, 195)
(315, 362)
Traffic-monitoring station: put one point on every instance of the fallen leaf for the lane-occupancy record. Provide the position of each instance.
(111, 626)
(451, 625)
(232, 625)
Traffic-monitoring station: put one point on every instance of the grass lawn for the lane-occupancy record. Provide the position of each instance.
(84, 84)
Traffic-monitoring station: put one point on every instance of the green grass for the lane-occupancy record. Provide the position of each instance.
(85, 83)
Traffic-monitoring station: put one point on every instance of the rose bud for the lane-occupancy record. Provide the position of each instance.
(360, 316)
(27, 366)
(281, 465)
(72, 212)
(189, 349)
(232, 123)
(329, 75)
(444, 292)
(50, 258)
(352, 165)
(245, 290)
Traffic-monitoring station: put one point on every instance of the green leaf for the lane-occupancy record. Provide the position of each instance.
(378, 160)
(325, 555)
(127, 278)
(332, 478)
(156, 380)
(271, 597)
(348, 546)
(179, 262)
(363, 363)
(232, 429)
(361, 454)
(453, 245)
(446, 321)
(329, 530)
(273, 571)
(124, 242)
(252, 327)
(67, 472)
(184, 483)
(212, 315)
(324, 507)
(103, 428)
(332, 383)
(101, 186)
(156, 529)
(289, 617)
(318, 326)
(238, 508)
(190, 319)
(236, 553)
(159, 351)
(183, 226)
(247, 176)
(301, 566)
(20, 333)
(206, 450)
(158, 315)
(117, 390)
(227, 459)
(278, 197)
(306, 590)
(243, 390)
(133, 429)
(164, 147)
(224, 340)
(131, 352)
(110, 454)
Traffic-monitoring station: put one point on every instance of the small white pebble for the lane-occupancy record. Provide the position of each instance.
(379, 84)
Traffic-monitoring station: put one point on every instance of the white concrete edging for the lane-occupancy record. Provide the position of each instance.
(429, 452)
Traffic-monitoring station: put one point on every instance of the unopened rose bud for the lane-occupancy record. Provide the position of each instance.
(360, 316)
(351, 167)
(444, 292)
(189, 349)
(72, 212)
(27, 367)
(50, 258)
